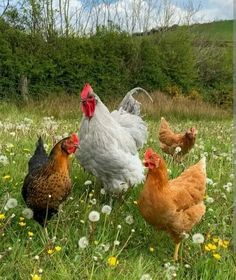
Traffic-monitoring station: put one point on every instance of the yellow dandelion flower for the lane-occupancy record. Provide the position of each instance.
(226, 242)
(112, 261)
(2, 216)
(50, 251)
(58, 248)
(22, 219)
(217, 256)
(216, 239)
(210, 247)
(36, 277)
(6, 177)
(220, 242)
(30, 234)
(151, 249)
(22, 224)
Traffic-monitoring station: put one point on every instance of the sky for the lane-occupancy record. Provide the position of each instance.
(142, 15)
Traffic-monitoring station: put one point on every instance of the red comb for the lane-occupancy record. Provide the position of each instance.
(75, 138)
(86, 90)
(149, 152)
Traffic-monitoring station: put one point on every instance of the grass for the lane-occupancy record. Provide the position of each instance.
(18, 250)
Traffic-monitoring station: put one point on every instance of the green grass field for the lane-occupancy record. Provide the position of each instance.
(25, 252)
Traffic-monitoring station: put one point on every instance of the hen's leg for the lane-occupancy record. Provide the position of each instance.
(176, 253)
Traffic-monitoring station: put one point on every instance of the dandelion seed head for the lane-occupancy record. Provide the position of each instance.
(83, 242)
(94, 216)
(106, 209)
(198, 238)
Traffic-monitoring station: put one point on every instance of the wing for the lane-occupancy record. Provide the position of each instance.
(133, 124)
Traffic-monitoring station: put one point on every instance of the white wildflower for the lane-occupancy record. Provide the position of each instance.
(209, 199)
(93, 201)
(102, 191)
(129, 220)
(116, 243)
(209, 181)
(177, 150)
(4, 160)
(88, 183)
(40, 270)
(187, 265)
(94, 216)
(146, 276)
(11, 203)
(36, 257)
(132, 230)
(198, 238)
(83, 242)
(106, 209)
(119, 226)
(27, 213)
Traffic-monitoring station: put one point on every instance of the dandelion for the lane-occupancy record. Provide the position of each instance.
(116, 243)
(209, 181)
(50, 251)
(129, 220)
(119, 227)
(57, 248)
(112, 261)
(27, 213)
(22, 219)
(210, 247)
(6, 177)
(88, 183)
(132, 230)
(2, 216)
(35, 277)
(135, 202)
(11, 203)
(198, 238)
(146, 277)
(106, 209)
(151, 249)
(94, 216)
(36, 257)
(209, 199)
(40, 270)
(177, 150)
(93, 201)
(217, 256)
(83, 242)
(102, 191)
(4, 160)
(30, 234)
(22, 224)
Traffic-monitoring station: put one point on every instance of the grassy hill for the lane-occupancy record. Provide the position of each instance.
(221, 31)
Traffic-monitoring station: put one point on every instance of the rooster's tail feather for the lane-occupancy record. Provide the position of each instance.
(131, 105)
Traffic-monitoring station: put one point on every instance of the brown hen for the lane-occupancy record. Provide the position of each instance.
(169, 140)
(174, 206)
(48, 183)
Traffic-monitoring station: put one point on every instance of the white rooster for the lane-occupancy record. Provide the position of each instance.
(109, 142)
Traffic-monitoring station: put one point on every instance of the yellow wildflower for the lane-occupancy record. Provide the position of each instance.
(217, 256)
(30, 234)
(216, 239)
(210, 247)
(2, 216)
(57, 248)
(226, 242)
(135, 202)
(151, 249)
(22, 224)
(36, 277)
(50, 251)
(220, 242)
(22, 219)
(6, 177)
(112, 261)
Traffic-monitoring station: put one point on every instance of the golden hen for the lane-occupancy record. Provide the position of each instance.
(174, 206)
(48, 183)
(169, 141)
